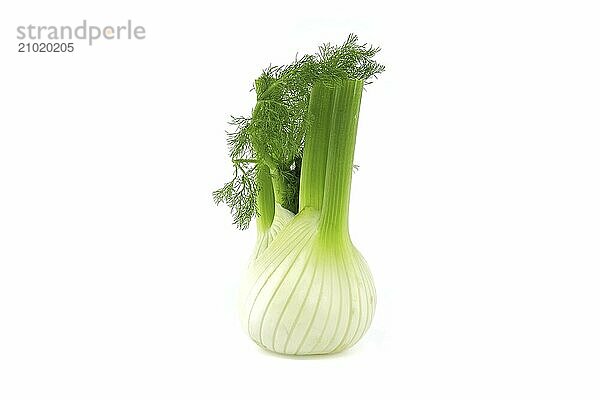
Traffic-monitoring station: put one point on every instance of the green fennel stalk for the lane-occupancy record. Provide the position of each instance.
(274, 136)
(344, 122)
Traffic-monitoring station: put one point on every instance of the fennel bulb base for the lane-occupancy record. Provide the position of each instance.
(301, 296)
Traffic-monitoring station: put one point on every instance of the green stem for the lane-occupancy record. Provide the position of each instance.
(278, 185)
(316, 144)
(265, 200)
(277, 182)
(336, 198)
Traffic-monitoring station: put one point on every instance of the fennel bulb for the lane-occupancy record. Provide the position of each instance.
(305, 296)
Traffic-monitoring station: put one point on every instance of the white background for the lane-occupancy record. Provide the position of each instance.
(476, 204)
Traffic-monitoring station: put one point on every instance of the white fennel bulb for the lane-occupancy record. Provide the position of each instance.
(303, 295)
